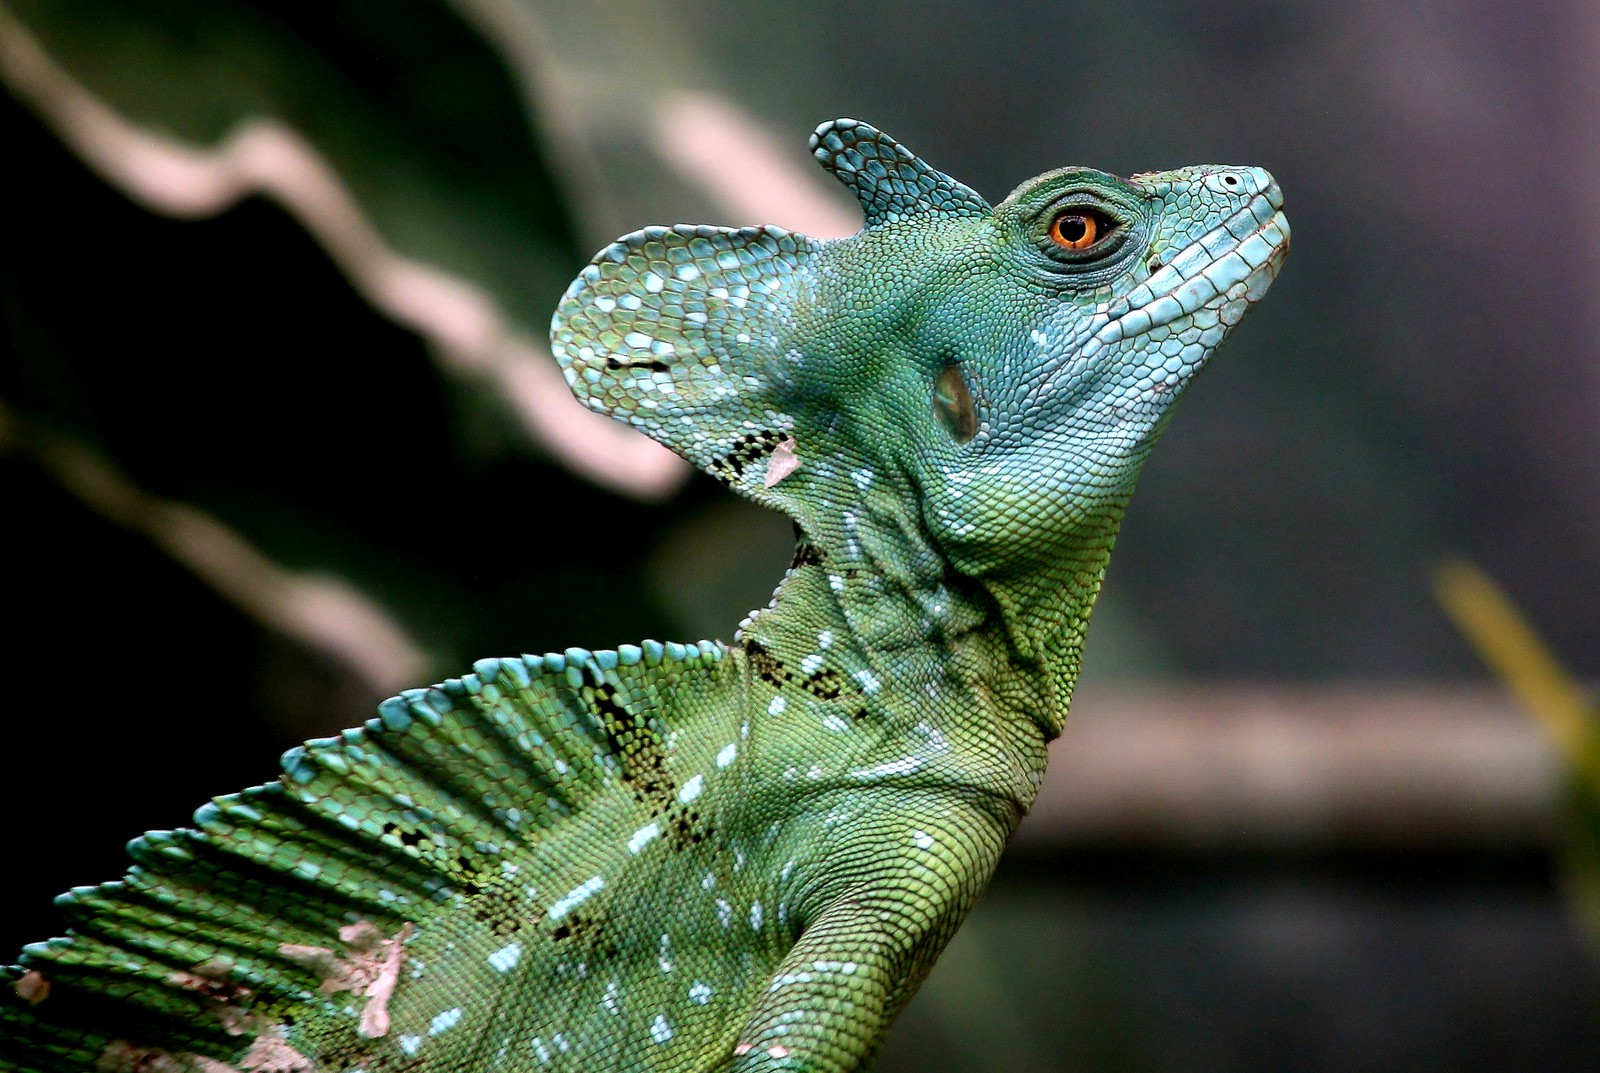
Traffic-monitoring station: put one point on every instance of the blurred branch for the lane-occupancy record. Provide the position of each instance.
(1312, 767)
(710, 142)
(323, 613)
(753, 175)
(515, 31)
(467, 332)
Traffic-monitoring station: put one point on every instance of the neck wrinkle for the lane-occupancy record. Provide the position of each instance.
(1046, 613)
(890, 604)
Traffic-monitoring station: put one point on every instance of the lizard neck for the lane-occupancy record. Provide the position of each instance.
(870, 606)
(1043, 612)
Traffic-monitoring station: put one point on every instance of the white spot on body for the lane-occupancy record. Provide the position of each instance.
(411, 1044)
(755, 916)
(845, 967)
(642, 837)
(825, 639)
(902, 766)
(724, 912)
(725, 757)
(660, 1031)
(777, 705)
(664, 958)
(922, 839)
(700, 993)
(869, 681)
(691, 789)
(505, 959)
(577, 896)
(812, 664)
(444, 1021)
(784, 979)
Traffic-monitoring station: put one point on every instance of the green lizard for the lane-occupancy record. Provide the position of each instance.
(714, 856)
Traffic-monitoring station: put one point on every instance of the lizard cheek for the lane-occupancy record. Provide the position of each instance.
(953, 406)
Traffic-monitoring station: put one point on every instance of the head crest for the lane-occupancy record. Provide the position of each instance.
(690, 333)
(885, 177)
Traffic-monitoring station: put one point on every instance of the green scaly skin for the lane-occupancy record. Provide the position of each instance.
(713, 857)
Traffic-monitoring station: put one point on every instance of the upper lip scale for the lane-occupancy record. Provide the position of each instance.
(1197, 274)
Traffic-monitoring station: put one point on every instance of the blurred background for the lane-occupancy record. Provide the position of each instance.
(280, 434)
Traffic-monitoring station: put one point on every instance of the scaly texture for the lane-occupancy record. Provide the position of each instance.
(714, 857)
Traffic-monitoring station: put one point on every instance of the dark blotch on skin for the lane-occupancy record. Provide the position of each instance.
(632, 741)
(747, 449)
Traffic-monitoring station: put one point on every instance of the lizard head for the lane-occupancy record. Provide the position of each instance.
(983, 382)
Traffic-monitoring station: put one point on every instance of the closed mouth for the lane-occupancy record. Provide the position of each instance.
(1225, 271)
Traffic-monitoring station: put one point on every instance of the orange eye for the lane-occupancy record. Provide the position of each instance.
(1078, 229)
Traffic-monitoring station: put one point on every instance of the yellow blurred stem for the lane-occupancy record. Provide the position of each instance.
(1506, 642)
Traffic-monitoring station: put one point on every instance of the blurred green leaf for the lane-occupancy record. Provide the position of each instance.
(1509, 645)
